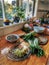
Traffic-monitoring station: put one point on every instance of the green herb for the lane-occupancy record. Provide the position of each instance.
(34, 44)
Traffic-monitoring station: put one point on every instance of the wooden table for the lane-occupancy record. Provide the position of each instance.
(32, 60)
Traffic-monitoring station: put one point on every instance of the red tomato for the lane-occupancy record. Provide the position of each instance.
(31, 25)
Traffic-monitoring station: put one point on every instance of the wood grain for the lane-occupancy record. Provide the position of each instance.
(32, 60)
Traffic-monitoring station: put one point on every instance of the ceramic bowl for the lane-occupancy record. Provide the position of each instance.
(39, 29)
(12, 37)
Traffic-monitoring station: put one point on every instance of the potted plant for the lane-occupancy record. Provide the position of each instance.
(16, 19)
(20, 14)
(6, 21)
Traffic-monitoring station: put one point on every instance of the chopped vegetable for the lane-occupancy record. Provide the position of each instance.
(21, 52)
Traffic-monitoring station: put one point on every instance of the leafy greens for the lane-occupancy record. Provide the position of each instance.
(34, 44)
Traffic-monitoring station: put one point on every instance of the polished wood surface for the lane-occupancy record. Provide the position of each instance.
(32, 60)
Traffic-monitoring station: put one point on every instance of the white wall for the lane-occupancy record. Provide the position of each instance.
(42, 6)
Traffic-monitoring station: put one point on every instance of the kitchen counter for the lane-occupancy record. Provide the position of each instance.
(32, 60)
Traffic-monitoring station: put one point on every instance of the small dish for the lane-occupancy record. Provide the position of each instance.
(12, 37)
(42, 40)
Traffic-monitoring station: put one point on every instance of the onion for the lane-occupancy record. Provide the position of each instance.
(26, 25)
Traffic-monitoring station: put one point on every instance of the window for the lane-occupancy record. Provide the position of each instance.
(1, 13)
(31, 2)
(29, 7)
(8, 8)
